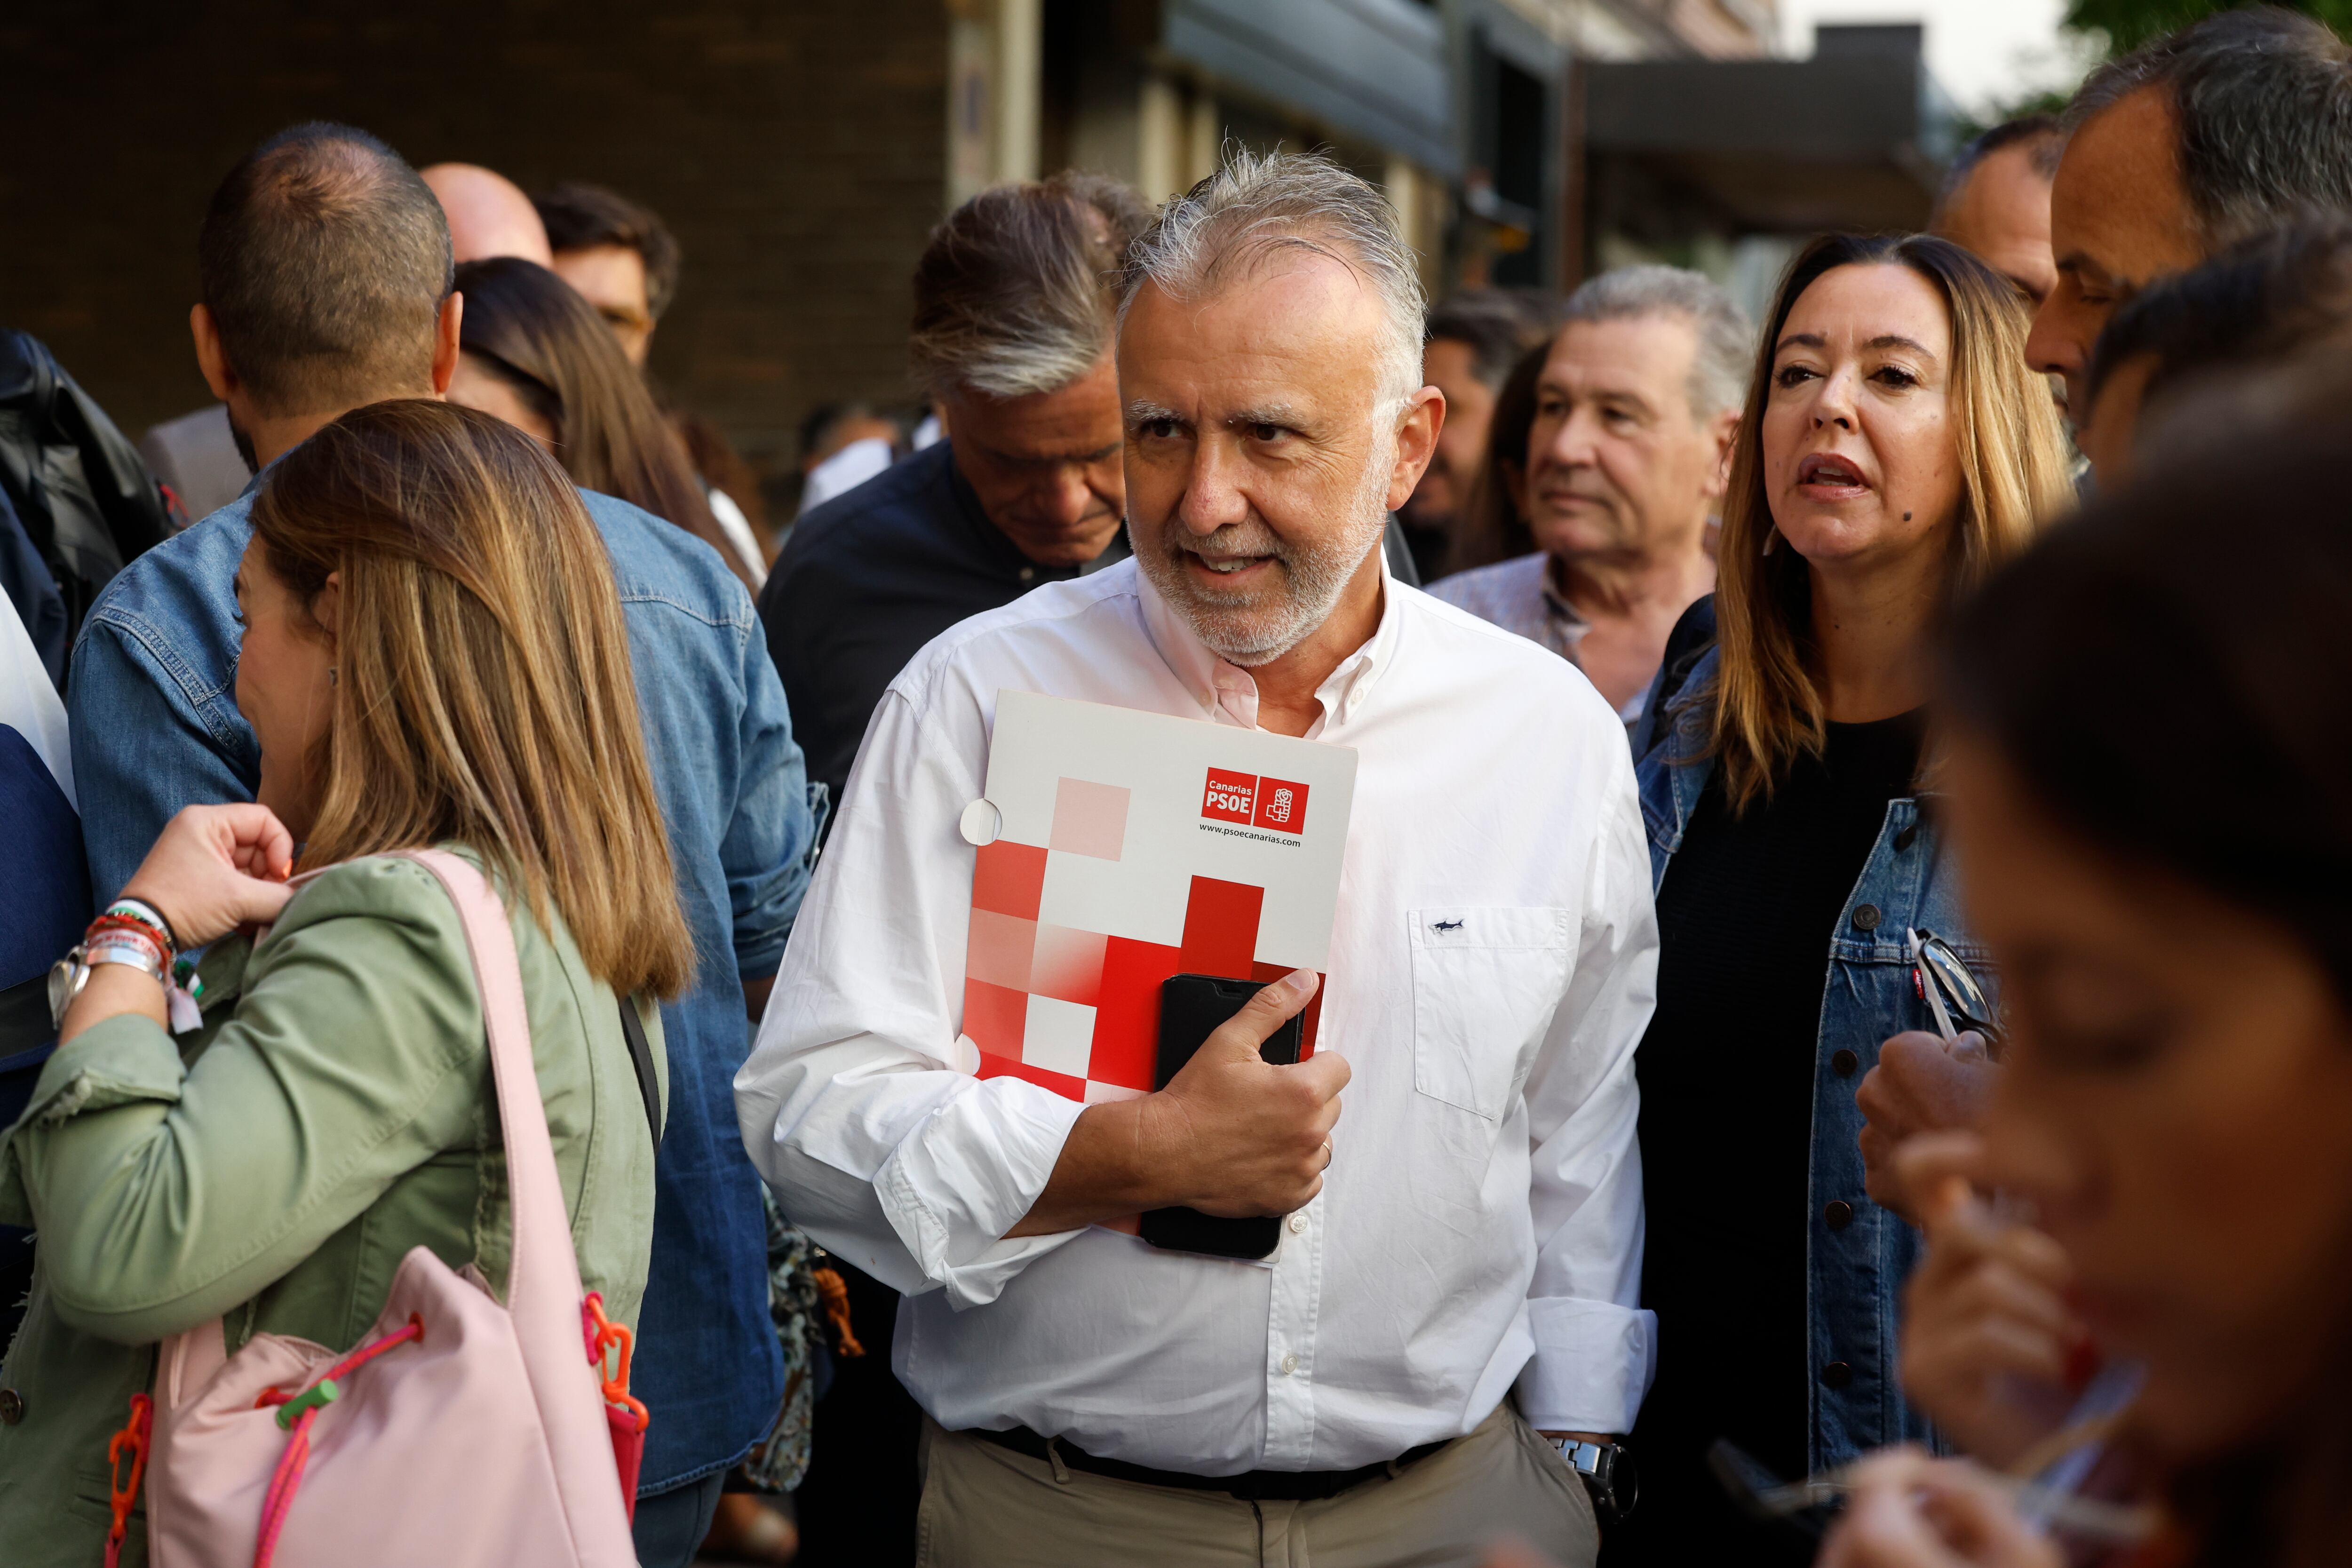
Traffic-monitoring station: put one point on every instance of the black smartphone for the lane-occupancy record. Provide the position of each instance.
(1192, 1008)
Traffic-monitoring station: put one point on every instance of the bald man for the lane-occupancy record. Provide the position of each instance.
(489, 214)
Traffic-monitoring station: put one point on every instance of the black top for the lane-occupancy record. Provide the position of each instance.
(871, 576)
(1746, 916)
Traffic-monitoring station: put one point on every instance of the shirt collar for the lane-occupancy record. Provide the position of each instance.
(1555, 599)
(1227, 693)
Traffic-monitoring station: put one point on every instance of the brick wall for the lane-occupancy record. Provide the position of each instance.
(797, 147)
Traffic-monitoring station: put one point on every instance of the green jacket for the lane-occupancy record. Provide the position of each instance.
(273, 1167)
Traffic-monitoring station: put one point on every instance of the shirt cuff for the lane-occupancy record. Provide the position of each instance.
(118, 1061)
(967, 1175)
(1593, 1364)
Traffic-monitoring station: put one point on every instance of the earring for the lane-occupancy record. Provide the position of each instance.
(1771, 537)
(331, 668)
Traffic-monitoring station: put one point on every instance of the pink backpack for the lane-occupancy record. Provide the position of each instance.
(458, 1432)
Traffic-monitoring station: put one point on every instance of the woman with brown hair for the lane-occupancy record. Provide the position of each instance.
(537, 355)
(434, 655)
(1894, 448)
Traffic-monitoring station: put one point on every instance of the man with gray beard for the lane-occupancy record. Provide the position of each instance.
(1448, 1335)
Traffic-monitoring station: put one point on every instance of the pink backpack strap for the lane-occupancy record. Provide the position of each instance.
(543, 1293)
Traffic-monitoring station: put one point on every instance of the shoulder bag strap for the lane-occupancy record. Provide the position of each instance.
(543, 1287)
(642, 1054)
(543, 1295)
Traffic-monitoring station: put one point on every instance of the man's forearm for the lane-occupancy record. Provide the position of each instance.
(1103, 1172)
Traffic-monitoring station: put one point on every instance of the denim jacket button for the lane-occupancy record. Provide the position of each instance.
(1865, 918)
(1837, 1374)
(1843, 1063)
(1904, 840)
(1837, 1214)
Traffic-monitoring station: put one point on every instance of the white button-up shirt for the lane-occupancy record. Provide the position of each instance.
(1492, 969)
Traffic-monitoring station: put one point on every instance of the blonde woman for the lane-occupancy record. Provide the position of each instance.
(1894, 448)
(434, 654)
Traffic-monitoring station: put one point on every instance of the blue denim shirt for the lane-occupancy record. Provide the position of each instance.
(153, 700)
(1853, 1277)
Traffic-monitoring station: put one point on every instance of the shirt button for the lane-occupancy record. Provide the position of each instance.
(1298, 1222)
(1289, 1364)
(12, 1407)
(1843, 1063)
(1865, 918)
(1028, 574)
(1837, 1374)
(1838, 1215)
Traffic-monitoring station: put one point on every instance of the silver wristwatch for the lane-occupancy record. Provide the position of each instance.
(71, 972)
(1608, 1473)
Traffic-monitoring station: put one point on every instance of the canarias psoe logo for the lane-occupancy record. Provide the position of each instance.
(1279, 805)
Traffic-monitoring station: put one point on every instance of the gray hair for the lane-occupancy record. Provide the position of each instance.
(1012, 293)
(1287, 201)
(2262, 100)
(1725, 352)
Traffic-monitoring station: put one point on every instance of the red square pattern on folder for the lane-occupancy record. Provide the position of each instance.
(1117, 978)
(1009, 879)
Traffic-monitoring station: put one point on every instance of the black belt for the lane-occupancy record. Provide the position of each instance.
(1251, 1485)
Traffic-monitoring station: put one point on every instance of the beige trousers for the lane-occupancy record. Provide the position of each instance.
(987, 1506)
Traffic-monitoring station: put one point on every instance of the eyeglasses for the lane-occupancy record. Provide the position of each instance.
(1952, 994)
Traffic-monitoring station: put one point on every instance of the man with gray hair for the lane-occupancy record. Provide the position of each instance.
(1012, 340)
(1448, 1333)
(1617, 472)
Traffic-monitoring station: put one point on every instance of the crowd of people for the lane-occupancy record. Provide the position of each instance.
(1837, 1044)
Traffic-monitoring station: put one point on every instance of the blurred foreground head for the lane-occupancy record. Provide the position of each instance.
(1012, 339)
(325, 272)
(1270, 328)
(2153, 816)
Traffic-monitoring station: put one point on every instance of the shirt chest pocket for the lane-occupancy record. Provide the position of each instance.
(1485, 983)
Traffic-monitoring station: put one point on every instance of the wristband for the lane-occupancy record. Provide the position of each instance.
(139, 953)
(130, 943)
(114, 928)
(146, 914)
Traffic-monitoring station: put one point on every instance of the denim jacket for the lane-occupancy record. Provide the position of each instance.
(153, 702)
(1854, 1271)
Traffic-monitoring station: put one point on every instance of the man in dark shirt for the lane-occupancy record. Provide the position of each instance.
(1012, 336)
